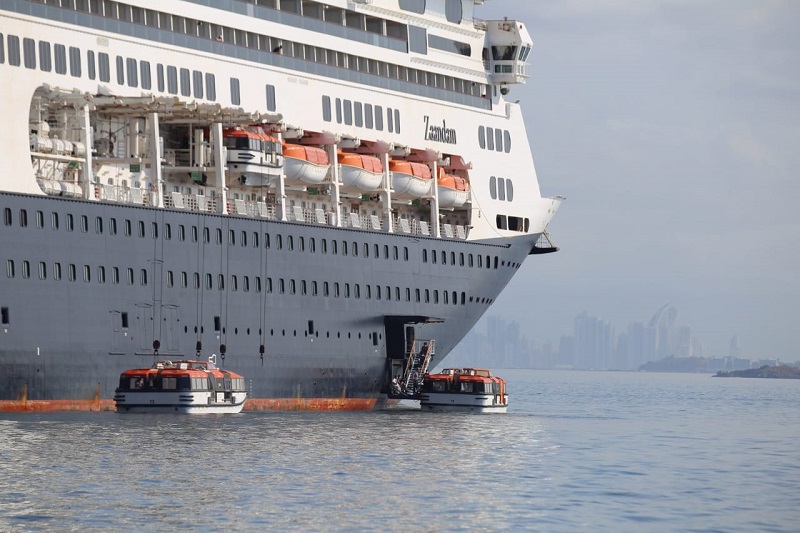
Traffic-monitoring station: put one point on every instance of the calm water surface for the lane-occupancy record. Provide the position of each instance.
(578, 451)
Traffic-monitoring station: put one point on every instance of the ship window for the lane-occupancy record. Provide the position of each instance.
(501, 189)
(292, 286)
(498, 140)
(509, 191)
(98, 225)
(271, 103)
(141, 229)
(144, 72)
(90, 64)
(160, 77)
(235, 96)
(379, 118)
(75, 61)
(71, 272)
(482, 137)
(289, 242)
(54, 221)
(2, 50)
(120, 68)
(127, 227)
(209, 281)
(417, 40)
(45, 60)
(13, 51)
(172, 79)
(84, 223)
(4, 316)
(368, 116)
(326, 108)
(26, 269)
(453, 11)
(444, 257)
(234, 282)
(502, 222)
(231, 237)
(10, 268)
(415, 6)
(493, 187)
(103, 67)
(348, 112)
(211, 87)
(155, 230)
(87, 274)
(186, 82)
(197, 82)
(143, 276)
(359, 114)
(507, 139)
(60, 53)
(29, 52)
(490, 138)
(389, 120)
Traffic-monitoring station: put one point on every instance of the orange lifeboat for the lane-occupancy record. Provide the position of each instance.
(360, 172)
(464, 389)
(180, 386)
(409, 179)
(453, 190)
(254, 156)
(305, 164)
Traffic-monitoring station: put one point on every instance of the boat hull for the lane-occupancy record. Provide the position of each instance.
(359, 179)
(407, 186)
(65, 341)
(459, 402)
(302, 171)
(452, 197)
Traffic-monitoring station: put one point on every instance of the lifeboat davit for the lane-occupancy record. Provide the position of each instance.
(254, 157)
(453, 190)
(464, 389)
(410, 180)
(180, 387)
(360, 172)
(305, 164)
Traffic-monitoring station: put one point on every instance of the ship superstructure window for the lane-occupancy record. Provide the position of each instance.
(29, 53)
(103, 66)
(197, 83)
(75, 61)
(414, 6)
(90, 65)
(172, 79)
(186, 82)
(449, 45)
(120, 70)
(2, 49)
(211, 88)
(417, 40)
(453, 11)
(45, 59)
(271, 103)
(10, 268)
(60, 58)
(144, 72)
(236, 98)
(13, 50)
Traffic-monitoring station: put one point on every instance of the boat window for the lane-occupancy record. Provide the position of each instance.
(169, 383)
(509, 190)
(271, 103)
(45, 60)
(197, 82)
(235, 96)
(417, 40)
(84, 223)
(29, 53)
(359, 112)
(504, 53)
(389, 120)
(13, 50)
(144, 74)
(368, 116)
(211, 87)
(348, 112)
(172, 79)
(453, 11)
(379, 118)
(103, 67)
(186, 84)
(326, 108)
(466, 386)
(10, 268)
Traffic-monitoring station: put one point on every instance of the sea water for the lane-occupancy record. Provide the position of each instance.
(577, 451)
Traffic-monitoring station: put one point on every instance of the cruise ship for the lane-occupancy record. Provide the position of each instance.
(307, 190)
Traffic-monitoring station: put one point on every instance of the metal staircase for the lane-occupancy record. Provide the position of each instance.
(417, 361)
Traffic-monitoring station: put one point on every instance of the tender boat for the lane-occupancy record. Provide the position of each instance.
(464, 389)
(180, 386)
(305, 164)
(410, 180)
(360, 172)
(453, 190)
(255, 158)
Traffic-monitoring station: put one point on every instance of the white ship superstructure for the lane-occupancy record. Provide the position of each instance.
(193, 176)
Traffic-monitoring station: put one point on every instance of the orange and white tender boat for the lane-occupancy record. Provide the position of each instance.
(255, 158)
(180, 387)
(453, 190)
(360, 172)
(464, 389)
(410, 180)
(305, 164)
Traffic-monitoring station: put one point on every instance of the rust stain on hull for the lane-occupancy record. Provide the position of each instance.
(254, 405)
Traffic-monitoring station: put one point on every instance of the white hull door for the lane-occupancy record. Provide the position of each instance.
(407, 186)
(472, 403)
(358, 179)
(179, 402)
(301, 171)
(451, 197)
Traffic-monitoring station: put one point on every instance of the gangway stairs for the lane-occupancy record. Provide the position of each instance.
(410, 383)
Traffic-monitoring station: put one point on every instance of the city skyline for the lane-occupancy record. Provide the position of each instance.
(671, 127)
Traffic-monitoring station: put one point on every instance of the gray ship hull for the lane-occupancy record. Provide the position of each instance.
(309, 314)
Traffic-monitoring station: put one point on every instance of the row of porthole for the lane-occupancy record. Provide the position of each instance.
(501, 189)
(282, 332)
(494, 139)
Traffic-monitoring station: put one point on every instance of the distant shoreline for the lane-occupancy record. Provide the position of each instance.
(769, 372)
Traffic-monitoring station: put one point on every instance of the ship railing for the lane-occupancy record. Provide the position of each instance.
(258, 208)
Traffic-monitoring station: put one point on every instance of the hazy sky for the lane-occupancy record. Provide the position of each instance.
(673, 129)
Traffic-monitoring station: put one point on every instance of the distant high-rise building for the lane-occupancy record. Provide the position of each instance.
(734, 350)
